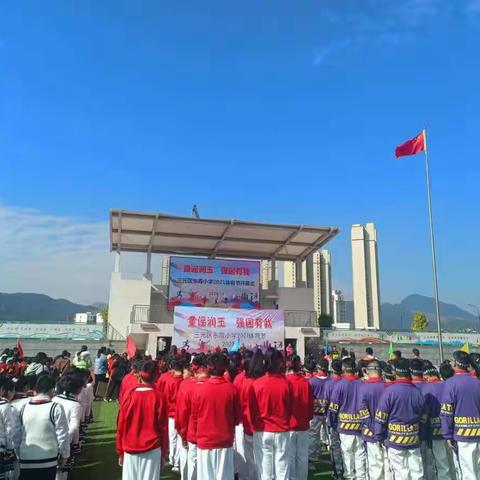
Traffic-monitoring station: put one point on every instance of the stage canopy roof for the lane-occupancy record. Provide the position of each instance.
(159, 233)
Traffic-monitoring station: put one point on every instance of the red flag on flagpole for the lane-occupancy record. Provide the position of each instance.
(21, 353)
(412, 147)
(131, 348)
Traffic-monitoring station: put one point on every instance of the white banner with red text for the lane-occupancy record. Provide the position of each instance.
(207, 329)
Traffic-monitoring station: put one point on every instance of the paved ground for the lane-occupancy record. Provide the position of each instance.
(100, 461)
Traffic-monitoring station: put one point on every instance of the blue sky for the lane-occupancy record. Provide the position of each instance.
(274, 111)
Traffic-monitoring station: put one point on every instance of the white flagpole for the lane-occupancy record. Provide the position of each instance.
(434, 256)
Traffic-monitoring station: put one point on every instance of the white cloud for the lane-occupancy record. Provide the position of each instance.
(64, 257)
(380, 22)
(472, 9)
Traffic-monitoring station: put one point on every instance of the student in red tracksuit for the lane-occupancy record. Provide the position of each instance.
(254, 369)
(181, 418)
(201, 376)
(239, 456)
(270, 400)
(183, 413)
(142, 429)
(129, 382)
(170, 388)
(302, 413)
(215, 412)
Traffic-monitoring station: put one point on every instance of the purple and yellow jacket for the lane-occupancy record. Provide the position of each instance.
(432, 392)
(344, 409)
(460, 408)
(400, 416)
(319, 389)
(371, 391)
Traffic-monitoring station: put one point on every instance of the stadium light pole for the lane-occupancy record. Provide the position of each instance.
(477, 308)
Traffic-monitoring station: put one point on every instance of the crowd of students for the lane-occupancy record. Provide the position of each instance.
(45, 408)
(245, 415)
(265, 416)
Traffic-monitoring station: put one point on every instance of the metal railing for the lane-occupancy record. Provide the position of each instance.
(160, 314)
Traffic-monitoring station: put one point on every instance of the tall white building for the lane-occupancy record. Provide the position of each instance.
(265, 273)
(165, 270)
(366, 288)
(339, 308)
(320, 279)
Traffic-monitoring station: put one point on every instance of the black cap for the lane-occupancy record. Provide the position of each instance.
(461, 359)
(430, 370)
(402, 366)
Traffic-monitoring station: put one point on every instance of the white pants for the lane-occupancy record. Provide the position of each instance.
(192, 461)
(142, 465)
(299, 455)
(239, 459)
(249, 458)
(388, 473)
(375, 461)
(59, 476)
(443, 459)
(174, 444)
(183, 455)
(271, 451)
(215, 464)
(406, 464)
(469, 459)
(354, 457)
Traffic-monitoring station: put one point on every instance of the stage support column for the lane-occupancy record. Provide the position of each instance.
(148, 273)
(299, 283)
(117, 261)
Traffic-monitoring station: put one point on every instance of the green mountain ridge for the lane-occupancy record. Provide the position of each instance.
(39, 308)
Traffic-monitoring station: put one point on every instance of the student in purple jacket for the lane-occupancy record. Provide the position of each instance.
(460, 416)
(372, 389)
(334, 438)
(318, 380)
(441, 460)
(344, 412)
(398, 422)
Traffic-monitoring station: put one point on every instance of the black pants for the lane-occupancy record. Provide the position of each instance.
(113, 389)
(38, 473)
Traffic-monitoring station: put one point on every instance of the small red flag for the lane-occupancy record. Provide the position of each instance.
(21, 353)
(131, 348)
(411, 147)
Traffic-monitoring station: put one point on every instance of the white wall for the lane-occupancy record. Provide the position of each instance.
(296, 299)
(124, 294)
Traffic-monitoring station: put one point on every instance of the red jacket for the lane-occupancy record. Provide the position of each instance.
(184, 407)
(129, 383)
(170, 389)
(160, 383)
(237, 383)
(270, 403)
(302, 405)
(191, 432)
(246, 414)
(215, 412)
(142, 423)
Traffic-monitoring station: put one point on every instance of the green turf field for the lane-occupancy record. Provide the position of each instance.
(99, 460)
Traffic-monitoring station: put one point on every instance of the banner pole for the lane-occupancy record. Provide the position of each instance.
(434, 256)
